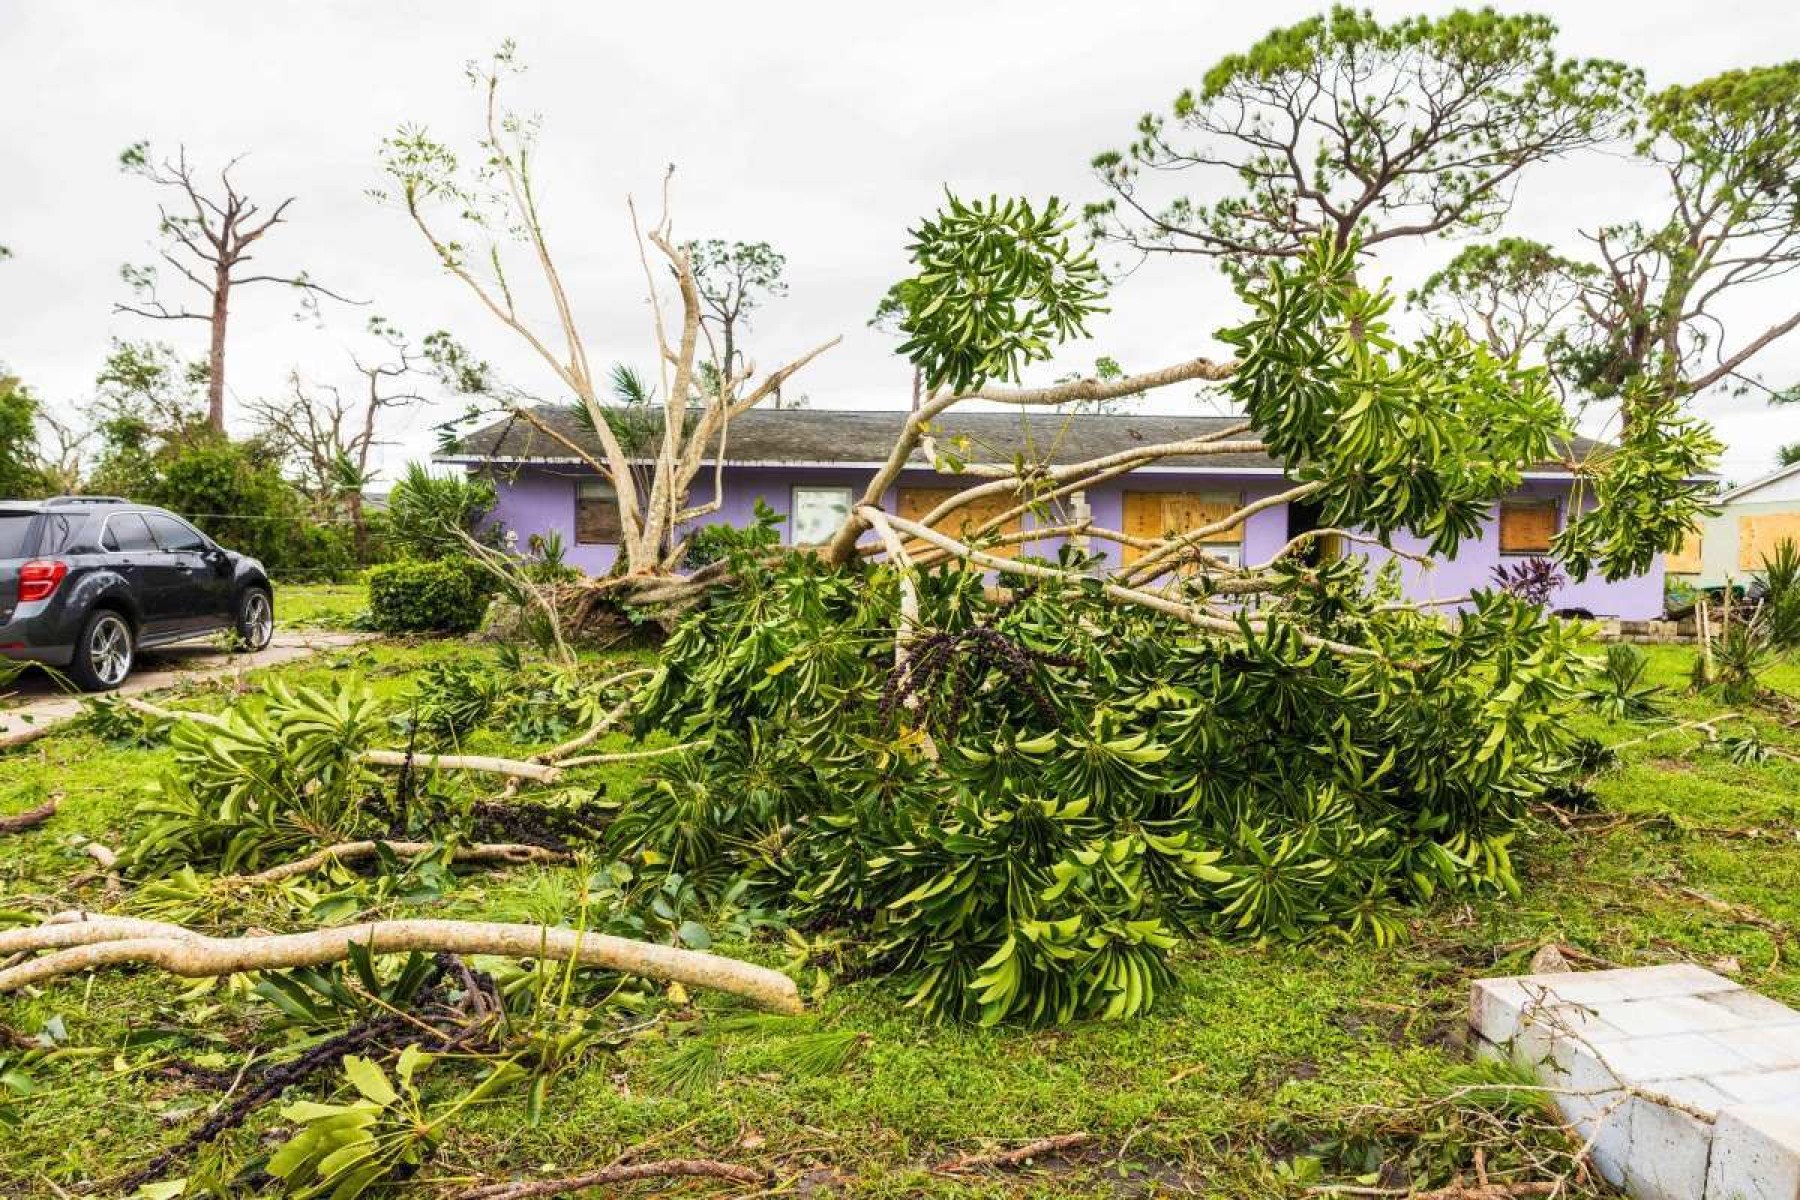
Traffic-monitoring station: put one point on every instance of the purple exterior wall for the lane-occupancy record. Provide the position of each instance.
(539, 500)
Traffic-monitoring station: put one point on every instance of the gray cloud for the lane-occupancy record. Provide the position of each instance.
(823, 128)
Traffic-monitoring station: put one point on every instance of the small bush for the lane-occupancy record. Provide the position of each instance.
(427, 597)
(1620, 690)
(1781, 587)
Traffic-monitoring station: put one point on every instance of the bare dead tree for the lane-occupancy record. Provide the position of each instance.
(328, 437)
(206, 239)
(499, 206)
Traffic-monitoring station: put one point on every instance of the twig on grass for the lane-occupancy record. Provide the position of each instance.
(514, 853)
(31, 817)
(1016, 1157)
(674, 1168)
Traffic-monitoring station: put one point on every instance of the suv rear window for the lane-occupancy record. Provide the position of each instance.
(173, 534)
(127, 531)
(15, 533)
(60, 530)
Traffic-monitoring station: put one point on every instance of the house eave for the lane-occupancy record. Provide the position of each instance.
(477, 460)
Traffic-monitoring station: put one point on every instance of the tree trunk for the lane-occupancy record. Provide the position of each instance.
(215, 360)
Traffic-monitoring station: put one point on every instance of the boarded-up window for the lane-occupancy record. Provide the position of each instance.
(1686, 560)
(1759, 535)
(1526, 526)
(916, 503)
(1160, 515)
(596, 513)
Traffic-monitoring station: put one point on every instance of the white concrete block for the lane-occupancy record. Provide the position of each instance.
(1667, 1159)
(1671, 1056)
(1753, 1006)
(1761, 1087)
(1755, 1155)
(1768, 1047)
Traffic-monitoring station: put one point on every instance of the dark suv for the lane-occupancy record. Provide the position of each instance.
(86, 581)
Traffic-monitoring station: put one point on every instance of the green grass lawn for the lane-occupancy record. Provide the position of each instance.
(319, 605)
(1270, 1065)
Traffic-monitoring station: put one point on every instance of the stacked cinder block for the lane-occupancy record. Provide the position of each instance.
(1687, 1084)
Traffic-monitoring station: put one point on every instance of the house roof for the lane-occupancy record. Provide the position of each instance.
(864, 437)
(1789, 471)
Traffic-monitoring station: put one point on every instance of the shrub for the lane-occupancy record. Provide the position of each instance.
(1781, 588)
(426, 512)
(1023, 817)
(1620, 691)
(410, 596)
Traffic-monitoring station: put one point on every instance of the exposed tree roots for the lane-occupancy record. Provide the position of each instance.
(674, 1168)
(85, 941)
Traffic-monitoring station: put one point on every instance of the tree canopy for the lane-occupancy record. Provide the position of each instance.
(1353, 129)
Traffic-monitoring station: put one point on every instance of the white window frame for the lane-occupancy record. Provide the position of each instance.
(809, 490)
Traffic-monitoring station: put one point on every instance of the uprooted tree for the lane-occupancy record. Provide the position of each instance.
(1019, 797)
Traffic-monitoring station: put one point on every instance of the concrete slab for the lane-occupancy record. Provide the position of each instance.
(39, 703)
(1686, 1083)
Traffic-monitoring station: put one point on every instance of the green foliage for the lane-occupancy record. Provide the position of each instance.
(1781, 594)
(1645, 495)
(1423, 438)
(711, 543)
(266, 778)
(998, 286)
(432, 596)
(343, 1150)
(1346, 127)
(453, 699)
(158, 449)
(1025, 839)
(1620, 691)
(427, 512)
(21, 477)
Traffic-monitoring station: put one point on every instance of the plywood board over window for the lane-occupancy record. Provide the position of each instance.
(1526, 526)
(1759, 535)
(1159, 515)
(917, 502)
(1687, 558)
(596, 513)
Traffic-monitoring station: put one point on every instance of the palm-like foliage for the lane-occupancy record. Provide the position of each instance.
(1012, 861)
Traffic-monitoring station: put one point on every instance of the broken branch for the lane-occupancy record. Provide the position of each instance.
(89, 941)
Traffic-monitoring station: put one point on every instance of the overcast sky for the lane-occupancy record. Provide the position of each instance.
(823, 128)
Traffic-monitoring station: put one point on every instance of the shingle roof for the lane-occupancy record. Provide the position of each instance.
(846, 436)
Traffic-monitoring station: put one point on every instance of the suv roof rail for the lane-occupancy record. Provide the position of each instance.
(87, 500)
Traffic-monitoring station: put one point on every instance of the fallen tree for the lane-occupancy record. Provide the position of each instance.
(83, 941)
(1018, 798)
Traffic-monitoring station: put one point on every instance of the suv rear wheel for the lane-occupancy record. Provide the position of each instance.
(255, 618)
(103, 651)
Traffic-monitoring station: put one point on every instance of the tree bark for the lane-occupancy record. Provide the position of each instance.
(215, 356)
(90, 941)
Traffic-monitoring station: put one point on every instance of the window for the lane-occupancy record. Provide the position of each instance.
(596, 513)
(127, 532)
(1526, 526)
(15, 530)
(1158, 515)
(173, 535)
(59, 532)
(917, 503)
(818, 511)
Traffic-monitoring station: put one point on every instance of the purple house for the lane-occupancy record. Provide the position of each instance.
(810, 464)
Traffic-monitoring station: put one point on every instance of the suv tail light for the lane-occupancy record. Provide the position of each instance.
(38, 579)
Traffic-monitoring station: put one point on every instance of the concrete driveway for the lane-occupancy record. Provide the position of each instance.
(38, 702)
